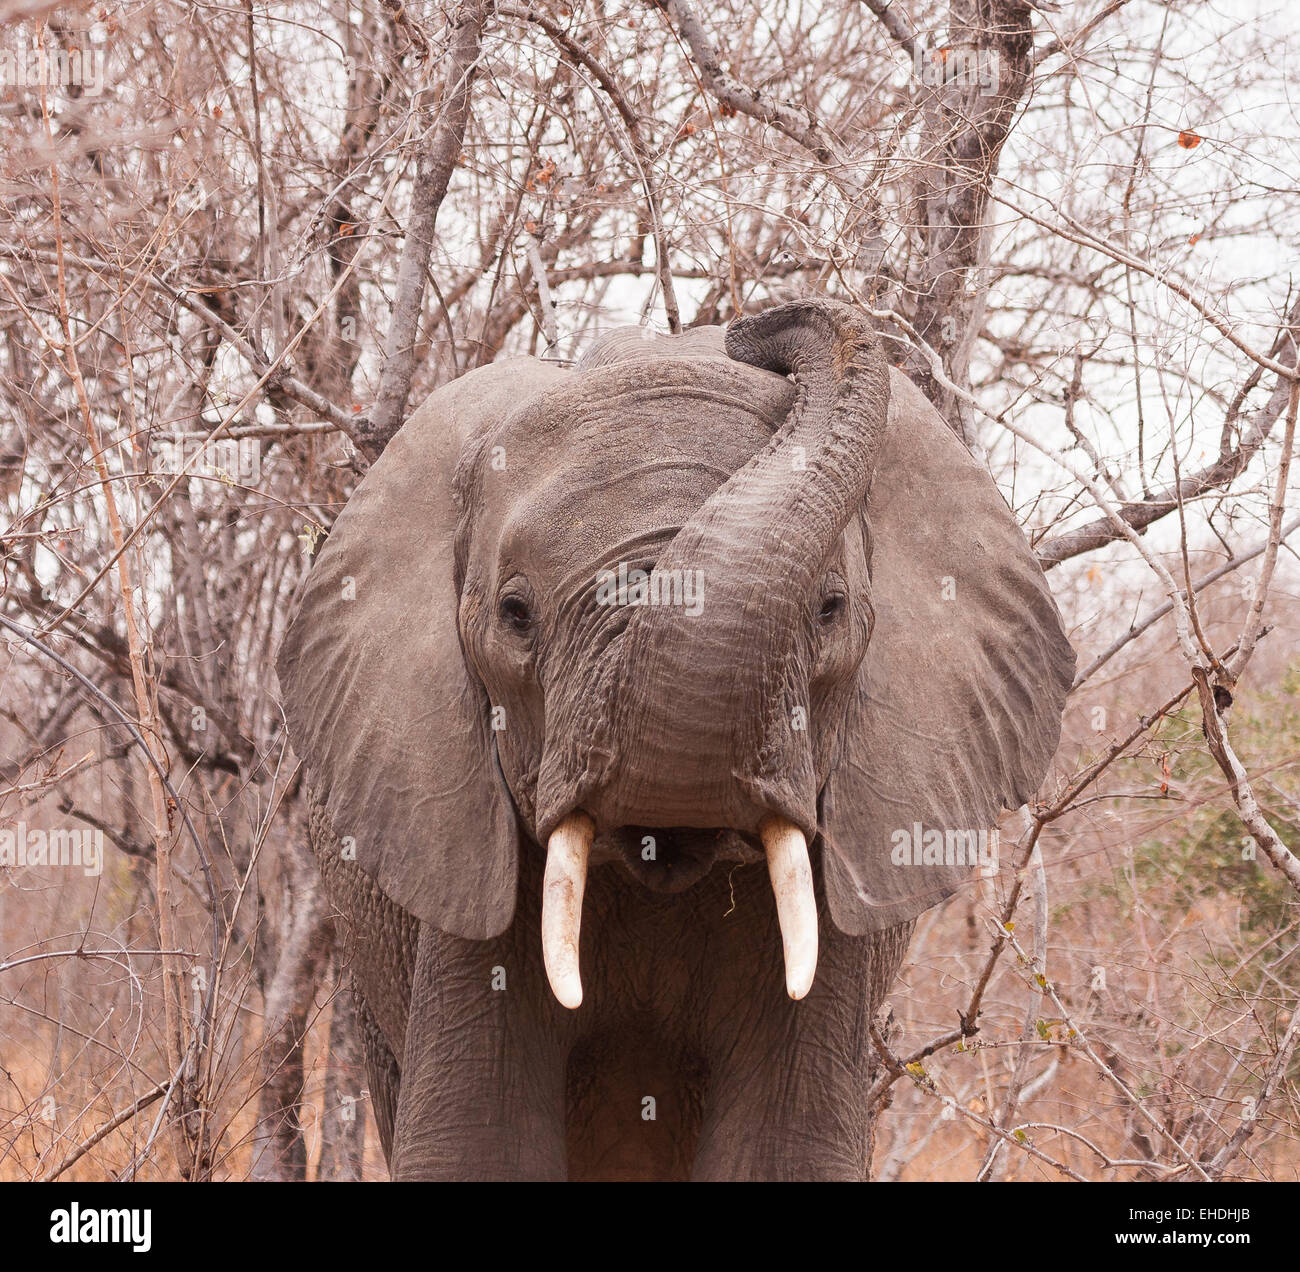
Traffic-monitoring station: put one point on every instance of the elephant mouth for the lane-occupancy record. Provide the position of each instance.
(672, 859)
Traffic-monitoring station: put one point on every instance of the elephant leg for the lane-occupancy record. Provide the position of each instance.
(787, 1096)
(788, 1100)
(483, 1086)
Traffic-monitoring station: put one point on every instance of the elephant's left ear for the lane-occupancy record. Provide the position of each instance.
(393, 730)
(958, 705)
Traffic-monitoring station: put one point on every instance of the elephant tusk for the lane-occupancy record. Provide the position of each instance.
(796, 905)
(562, 889)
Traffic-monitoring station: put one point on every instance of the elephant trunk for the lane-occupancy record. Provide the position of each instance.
(715, 695)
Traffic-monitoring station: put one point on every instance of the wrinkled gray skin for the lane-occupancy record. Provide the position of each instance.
(871, 653)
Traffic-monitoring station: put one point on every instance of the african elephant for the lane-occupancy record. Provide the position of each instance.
(838, 640)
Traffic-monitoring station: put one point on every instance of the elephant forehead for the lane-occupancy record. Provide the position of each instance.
(710, 409)
(593, 515)
(614, 464)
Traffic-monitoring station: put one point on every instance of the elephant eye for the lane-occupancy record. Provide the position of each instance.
(832, 608)
(515, 614)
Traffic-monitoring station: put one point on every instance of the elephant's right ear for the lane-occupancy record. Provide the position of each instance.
(393, 730)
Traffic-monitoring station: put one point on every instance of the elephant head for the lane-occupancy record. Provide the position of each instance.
(686, 602)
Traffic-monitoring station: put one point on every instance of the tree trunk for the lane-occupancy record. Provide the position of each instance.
(304, 939)
(343, 1123)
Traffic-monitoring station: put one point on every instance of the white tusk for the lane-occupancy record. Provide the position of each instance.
(562, 889)
(796, 905)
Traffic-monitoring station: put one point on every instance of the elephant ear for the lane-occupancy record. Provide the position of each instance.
(392, 729)
(958, 705)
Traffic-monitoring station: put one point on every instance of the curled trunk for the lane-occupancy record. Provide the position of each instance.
(727, 677)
